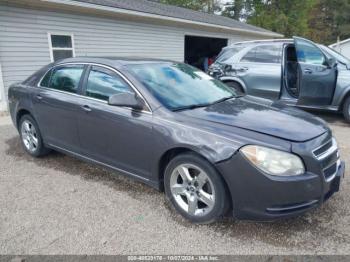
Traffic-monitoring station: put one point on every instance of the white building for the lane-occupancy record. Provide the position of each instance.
(36, 32)
(342, 47)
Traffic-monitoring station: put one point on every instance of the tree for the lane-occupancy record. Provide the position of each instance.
(287, 17)
(237, 9)
(329, 20)
(321, 22)
(342, 17)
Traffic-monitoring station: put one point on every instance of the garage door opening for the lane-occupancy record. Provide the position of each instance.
(201, 50)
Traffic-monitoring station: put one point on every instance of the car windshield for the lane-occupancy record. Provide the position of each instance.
(228, 53)
(180, 86)
(339, 57)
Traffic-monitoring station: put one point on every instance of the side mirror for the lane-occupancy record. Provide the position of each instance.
(127, 100)
(332, 62)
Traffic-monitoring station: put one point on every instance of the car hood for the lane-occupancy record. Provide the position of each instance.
(263, 116)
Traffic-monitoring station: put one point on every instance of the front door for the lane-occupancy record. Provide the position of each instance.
(117, 136)
(317, 79)
(55, 105)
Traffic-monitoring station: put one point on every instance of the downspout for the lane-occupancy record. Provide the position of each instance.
(3, 106)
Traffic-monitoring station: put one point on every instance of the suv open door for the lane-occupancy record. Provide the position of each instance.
(317, 75)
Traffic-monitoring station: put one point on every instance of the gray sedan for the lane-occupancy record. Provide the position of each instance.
(171, 126)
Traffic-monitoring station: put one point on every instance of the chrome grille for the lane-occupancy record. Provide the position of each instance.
(328, 156)
(323, 148)
(326, 149)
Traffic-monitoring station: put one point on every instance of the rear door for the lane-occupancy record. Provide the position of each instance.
(56, 106)
(260, 70)
(317, 80)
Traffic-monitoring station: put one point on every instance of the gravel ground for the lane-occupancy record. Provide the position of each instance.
(60, 205)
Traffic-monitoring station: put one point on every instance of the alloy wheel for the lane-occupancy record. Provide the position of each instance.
(29, 136)
(192, 189)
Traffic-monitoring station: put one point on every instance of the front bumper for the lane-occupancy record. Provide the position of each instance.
(261, 197)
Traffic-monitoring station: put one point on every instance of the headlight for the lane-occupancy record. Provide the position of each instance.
(274, 162)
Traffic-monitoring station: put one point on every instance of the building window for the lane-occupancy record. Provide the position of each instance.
(61, 46)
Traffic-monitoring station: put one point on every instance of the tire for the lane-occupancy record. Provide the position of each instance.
(346, 109)
(236, 87)
(31, 138)
(198, 194)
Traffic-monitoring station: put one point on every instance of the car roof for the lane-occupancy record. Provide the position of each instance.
(112, 61)
(263, 41)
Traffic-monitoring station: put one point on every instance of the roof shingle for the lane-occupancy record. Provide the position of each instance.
(151, 7)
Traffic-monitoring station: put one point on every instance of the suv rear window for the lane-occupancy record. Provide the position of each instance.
(227, 53)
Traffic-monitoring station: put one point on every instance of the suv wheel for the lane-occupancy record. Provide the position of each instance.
(346, 109)
(195, 189)
(236, 87)
(31, 137)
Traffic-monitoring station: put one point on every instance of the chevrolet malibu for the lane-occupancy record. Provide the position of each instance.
(171, 126)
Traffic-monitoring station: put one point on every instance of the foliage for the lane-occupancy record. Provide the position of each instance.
(283, 16)
(233, 9)
(329, 20)
(237, 9)
(320, 20)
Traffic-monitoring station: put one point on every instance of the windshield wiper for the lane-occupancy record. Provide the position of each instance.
(189, 107)
(222, 100)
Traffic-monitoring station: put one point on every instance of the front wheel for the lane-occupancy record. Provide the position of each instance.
(195, 189)
(346, 109)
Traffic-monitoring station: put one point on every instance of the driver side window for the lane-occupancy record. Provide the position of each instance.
(103, 83)
(309, 54)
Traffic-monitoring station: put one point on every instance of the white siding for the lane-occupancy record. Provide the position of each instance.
(24, 44)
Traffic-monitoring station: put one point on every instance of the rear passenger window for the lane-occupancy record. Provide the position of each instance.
(66, 78)
(263, 54)
(102, 83)
(46, 79)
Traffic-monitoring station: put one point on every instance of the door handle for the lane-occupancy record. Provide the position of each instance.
(39, 97)
(308, 71)
(86, 108)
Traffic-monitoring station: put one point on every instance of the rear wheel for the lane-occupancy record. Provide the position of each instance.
(236, 87)
(346, 109)
(195, 189)
(31, 137)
